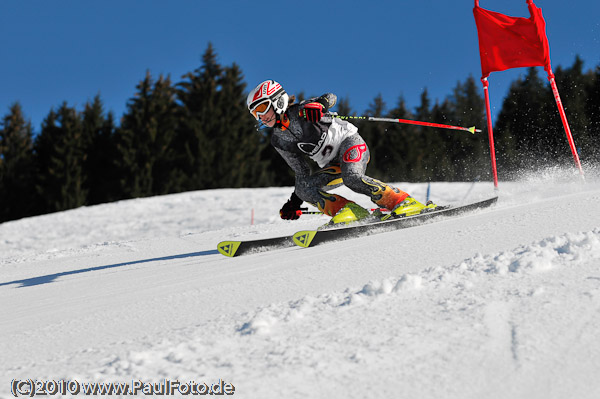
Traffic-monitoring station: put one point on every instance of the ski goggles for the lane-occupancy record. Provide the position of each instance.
(260, 109)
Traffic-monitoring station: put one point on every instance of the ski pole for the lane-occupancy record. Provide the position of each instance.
(428, 191)
(471, 129)
(305, 211)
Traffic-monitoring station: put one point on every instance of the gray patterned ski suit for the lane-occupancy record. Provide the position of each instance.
(340, 152)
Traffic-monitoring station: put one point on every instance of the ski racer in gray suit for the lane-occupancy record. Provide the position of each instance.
(307, 129)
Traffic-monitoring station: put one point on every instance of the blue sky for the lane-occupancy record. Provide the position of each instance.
(56, 51)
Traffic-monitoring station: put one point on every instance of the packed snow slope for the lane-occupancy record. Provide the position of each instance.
(500, 303)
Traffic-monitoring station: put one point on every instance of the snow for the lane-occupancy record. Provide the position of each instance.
(500, 303)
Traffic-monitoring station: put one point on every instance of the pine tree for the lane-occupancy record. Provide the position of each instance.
(145, 140)
(522, 130)
(469, 151)
(572, 84)
(443, 150)
(101, 163)
(16, 166)
(343, 107)
(507, 158)
(60, 159)
(424, 138)
(373, 134)
(237, 160)
(593, 114)
(201, 120)
(399, 140)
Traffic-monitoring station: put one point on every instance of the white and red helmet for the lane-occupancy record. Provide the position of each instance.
(268, 93)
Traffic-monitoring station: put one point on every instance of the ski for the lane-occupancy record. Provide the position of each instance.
(311, 238)
(237, 248)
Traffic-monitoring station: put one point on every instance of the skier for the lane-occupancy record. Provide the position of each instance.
(308, 129)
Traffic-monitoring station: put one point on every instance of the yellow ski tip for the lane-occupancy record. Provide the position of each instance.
(472, 129)
(228, 248)
(304, 238)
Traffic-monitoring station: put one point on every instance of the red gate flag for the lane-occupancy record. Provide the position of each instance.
(511, 42)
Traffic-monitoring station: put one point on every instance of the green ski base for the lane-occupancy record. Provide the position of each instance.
(237, 248)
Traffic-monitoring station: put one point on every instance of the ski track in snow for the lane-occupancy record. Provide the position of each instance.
(503, 303)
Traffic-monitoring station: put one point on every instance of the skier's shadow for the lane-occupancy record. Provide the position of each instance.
(29, 282)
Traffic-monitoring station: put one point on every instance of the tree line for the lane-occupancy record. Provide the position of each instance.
(197, 134)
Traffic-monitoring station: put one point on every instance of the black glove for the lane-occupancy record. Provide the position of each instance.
(291, 209)
(313, 112)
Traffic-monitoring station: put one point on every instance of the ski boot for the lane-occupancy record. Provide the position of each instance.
(409, 207)
(350, 213)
